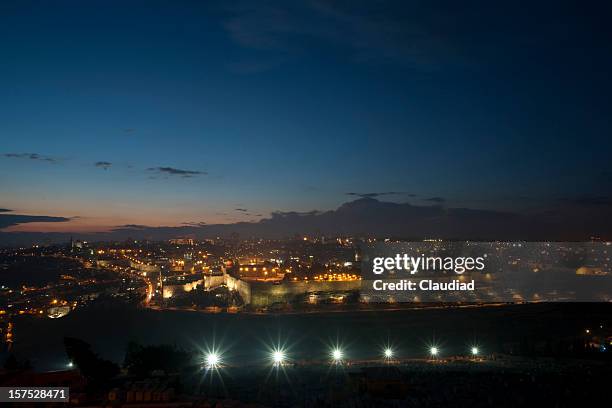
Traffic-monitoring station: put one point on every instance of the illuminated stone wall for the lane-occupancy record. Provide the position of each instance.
(171, 290)
(265, 294)
(144, 267)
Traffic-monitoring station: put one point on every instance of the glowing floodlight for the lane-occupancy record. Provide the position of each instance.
(388, 353)
(433, 351)
(337, 354)
(212, 360)
(475, 351)
(278, 357)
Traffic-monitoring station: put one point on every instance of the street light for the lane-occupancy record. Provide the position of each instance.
(278, 357)
(212, 360)
(337, 355)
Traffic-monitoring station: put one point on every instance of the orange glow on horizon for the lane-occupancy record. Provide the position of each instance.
(92, 225)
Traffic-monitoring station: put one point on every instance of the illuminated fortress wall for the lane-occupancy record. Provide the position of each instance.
(265, 294)
(243, 288)
(261, 294)
(171, 290)
(213, 281)
(144, 267)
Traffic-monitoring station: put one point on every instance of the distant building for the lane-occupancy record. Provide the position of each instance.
(591, 271)
(182, 241)
(180, 284)
(58, 311)
(188, 265)
(76, 244)
(260, 271)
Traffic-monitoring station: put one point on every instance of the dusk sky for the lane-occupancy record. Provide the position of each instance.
(169, 112)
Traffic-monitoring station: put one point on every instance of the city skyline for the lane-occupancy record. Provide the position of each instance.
(308, 203)
(156, 115)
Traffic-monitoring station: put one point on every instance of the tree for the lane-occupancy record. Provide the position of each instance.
(13, 364)
(142, 360)
(97, 370)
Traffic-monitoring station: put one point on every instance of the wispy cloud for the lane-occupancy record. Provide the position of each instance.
(103, 165)
(380, 194)
(438, 200)
(132, 226)
(195, 223)
(367, 31)
(171, 171)
(287, 214)
(9, 220)
(241, 209)
(31, 156)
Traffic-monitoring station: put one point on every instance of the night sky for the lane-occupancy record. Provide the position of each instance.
(170, 112)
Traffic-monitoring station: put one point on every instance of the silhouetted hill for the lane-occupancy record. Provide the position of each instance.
(368, 217)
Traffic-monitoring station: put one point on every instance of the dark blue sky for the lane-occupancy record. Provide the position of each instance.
(192, 110)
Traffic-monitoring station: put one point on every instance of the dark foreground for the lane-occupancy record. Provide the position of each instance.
(553, 355)
(505, 382)
(511, 383)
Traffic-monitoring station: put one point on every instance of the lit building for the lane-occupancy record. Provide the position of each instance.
(261, 271)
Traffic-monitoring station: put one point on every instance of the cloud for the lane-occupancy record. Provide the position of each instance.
(9, 220)
(366, 217)
(195, 223)
(438, 200)
(281, 214)
(103, 164)
(132, 226)
(408, 32)
(252, 214)
(31, 156)
(176, 172)
(129, 130)
(380, 194)
(241, 209)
